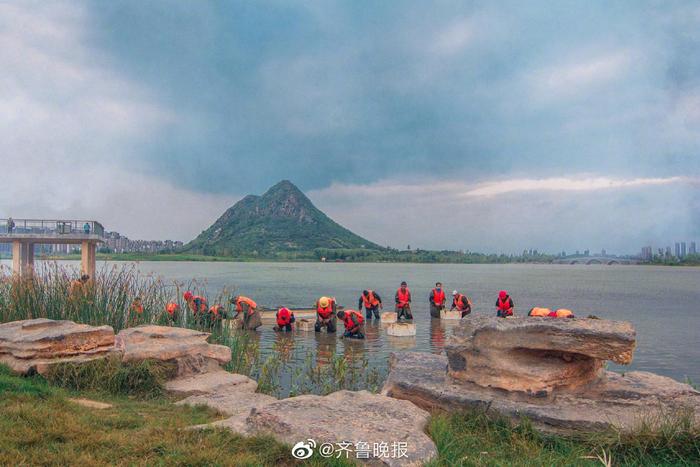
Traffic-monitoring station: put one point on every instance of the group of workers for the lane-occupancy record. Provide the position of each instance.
(327, 313)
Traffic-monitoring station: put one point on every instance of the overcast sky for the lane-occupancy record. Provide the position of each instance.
(488, 126)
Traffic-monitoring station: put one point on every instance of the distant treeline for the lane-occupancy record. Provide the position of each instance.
(357, 255)
(688, 260)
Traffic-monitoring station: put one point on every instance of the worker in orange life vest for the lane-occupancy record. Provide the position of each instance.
(403, 302)
(353, 322)
(461, 303)
(437, 300)
(172, 308)
(285, 318)
(249, 309)
(197, 305)
(372, 303)
(504, 305)
(325, 314)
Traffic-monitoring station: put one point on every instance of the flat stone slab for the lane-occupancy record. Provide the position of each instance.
(615, 401)
(36, 344)
(343, 416)
(447, 314)
(234, 404)
(305, 325)
(213, 382)
(401, 329)
(389, 317)
(537, 355)
(186, 347)
(92, 404)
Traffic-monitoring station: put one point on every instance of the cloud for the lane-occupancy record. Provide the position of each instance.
(573, 212)
(573, 78)
(567, 184)
(69, 122)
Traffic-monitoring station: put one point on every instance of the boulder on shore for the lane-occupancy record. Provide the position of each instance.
(344, 417)
(537, 355)
(34, 345)
(188, 348)
(614, 400)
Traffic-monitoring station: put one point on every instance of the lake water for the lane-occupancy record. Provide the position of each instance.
(661, 302)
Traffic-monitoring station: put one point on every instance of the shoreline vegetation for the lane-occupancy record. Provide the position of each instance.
(363, 256)
(39, 424)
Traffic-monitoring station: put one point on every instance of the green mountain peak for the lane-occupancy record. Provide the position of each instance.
(281, 221)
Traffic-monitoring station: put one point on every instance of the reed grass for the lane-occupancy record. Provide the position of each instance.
(143, 379)
(477, 437)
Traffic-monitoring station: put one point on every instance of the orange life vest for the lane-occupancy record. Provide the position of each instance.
(404, 297)
(284, 317)
(439, 296)
(325, 313)
(251, 304)
(504, 306)
(459, 304)
(348, 322)
(137, 307)
(198, 304)
(564, 313)
(370, 301)
(216, 311)
(171, 308)
(537, 311)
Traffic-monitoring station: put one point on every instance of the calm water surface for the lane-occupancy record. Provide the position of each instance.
(661, 302)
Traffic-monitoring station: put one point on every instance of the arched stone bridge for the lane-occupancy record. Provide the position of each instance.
(595, 260)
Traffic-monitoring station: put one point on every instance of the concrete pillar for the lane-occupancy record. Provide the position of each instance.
(17, 257)
(87, 258)
(22, 257)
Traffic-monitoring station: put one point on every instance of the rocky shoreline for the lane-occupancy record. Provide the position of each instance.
(549, 371)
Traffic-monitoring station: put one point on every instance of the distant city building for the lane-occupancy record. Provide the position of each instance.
(586, 252)
(692, 250)
(121, 244)
(602, 252)
(683, 252)
(668, 251)
(678, 250)
(646, 253)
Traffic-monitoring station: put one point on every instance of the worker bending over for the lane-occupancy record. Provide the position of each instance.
(197, 305)
(437, 300)
(251, 316)
(285, 318)
(372, 303)
(353, 322)
(504, 305)
(325, 314)
(403, 302)
(461, 303)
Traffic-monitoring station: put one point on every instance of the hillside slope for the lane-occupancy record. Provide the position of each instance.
(282, 220)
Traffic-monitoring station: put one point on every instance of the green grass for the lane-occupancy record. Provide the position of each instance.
(40, 426)
(144, 379)
(478, 438)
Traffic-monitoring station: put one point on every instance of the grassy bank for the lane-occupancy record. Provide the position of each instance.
(478, 438)
(40, 425)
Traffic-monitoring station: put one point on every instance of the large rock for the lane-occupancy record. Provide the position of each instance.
(36, 344)
(344, 416)
(229, 393)
(537, 355)
(622, 401)
(220, 381)
(188, 348)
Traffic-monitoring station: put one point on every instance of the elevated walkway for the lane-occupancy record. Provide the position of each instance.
(23, 234)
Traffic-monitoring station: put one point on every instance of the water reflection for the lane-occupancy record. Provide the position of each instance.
(440, 330)
(326, 345)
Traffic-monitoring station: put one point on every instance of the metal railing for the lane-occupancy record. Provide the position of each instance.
(12, 226)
